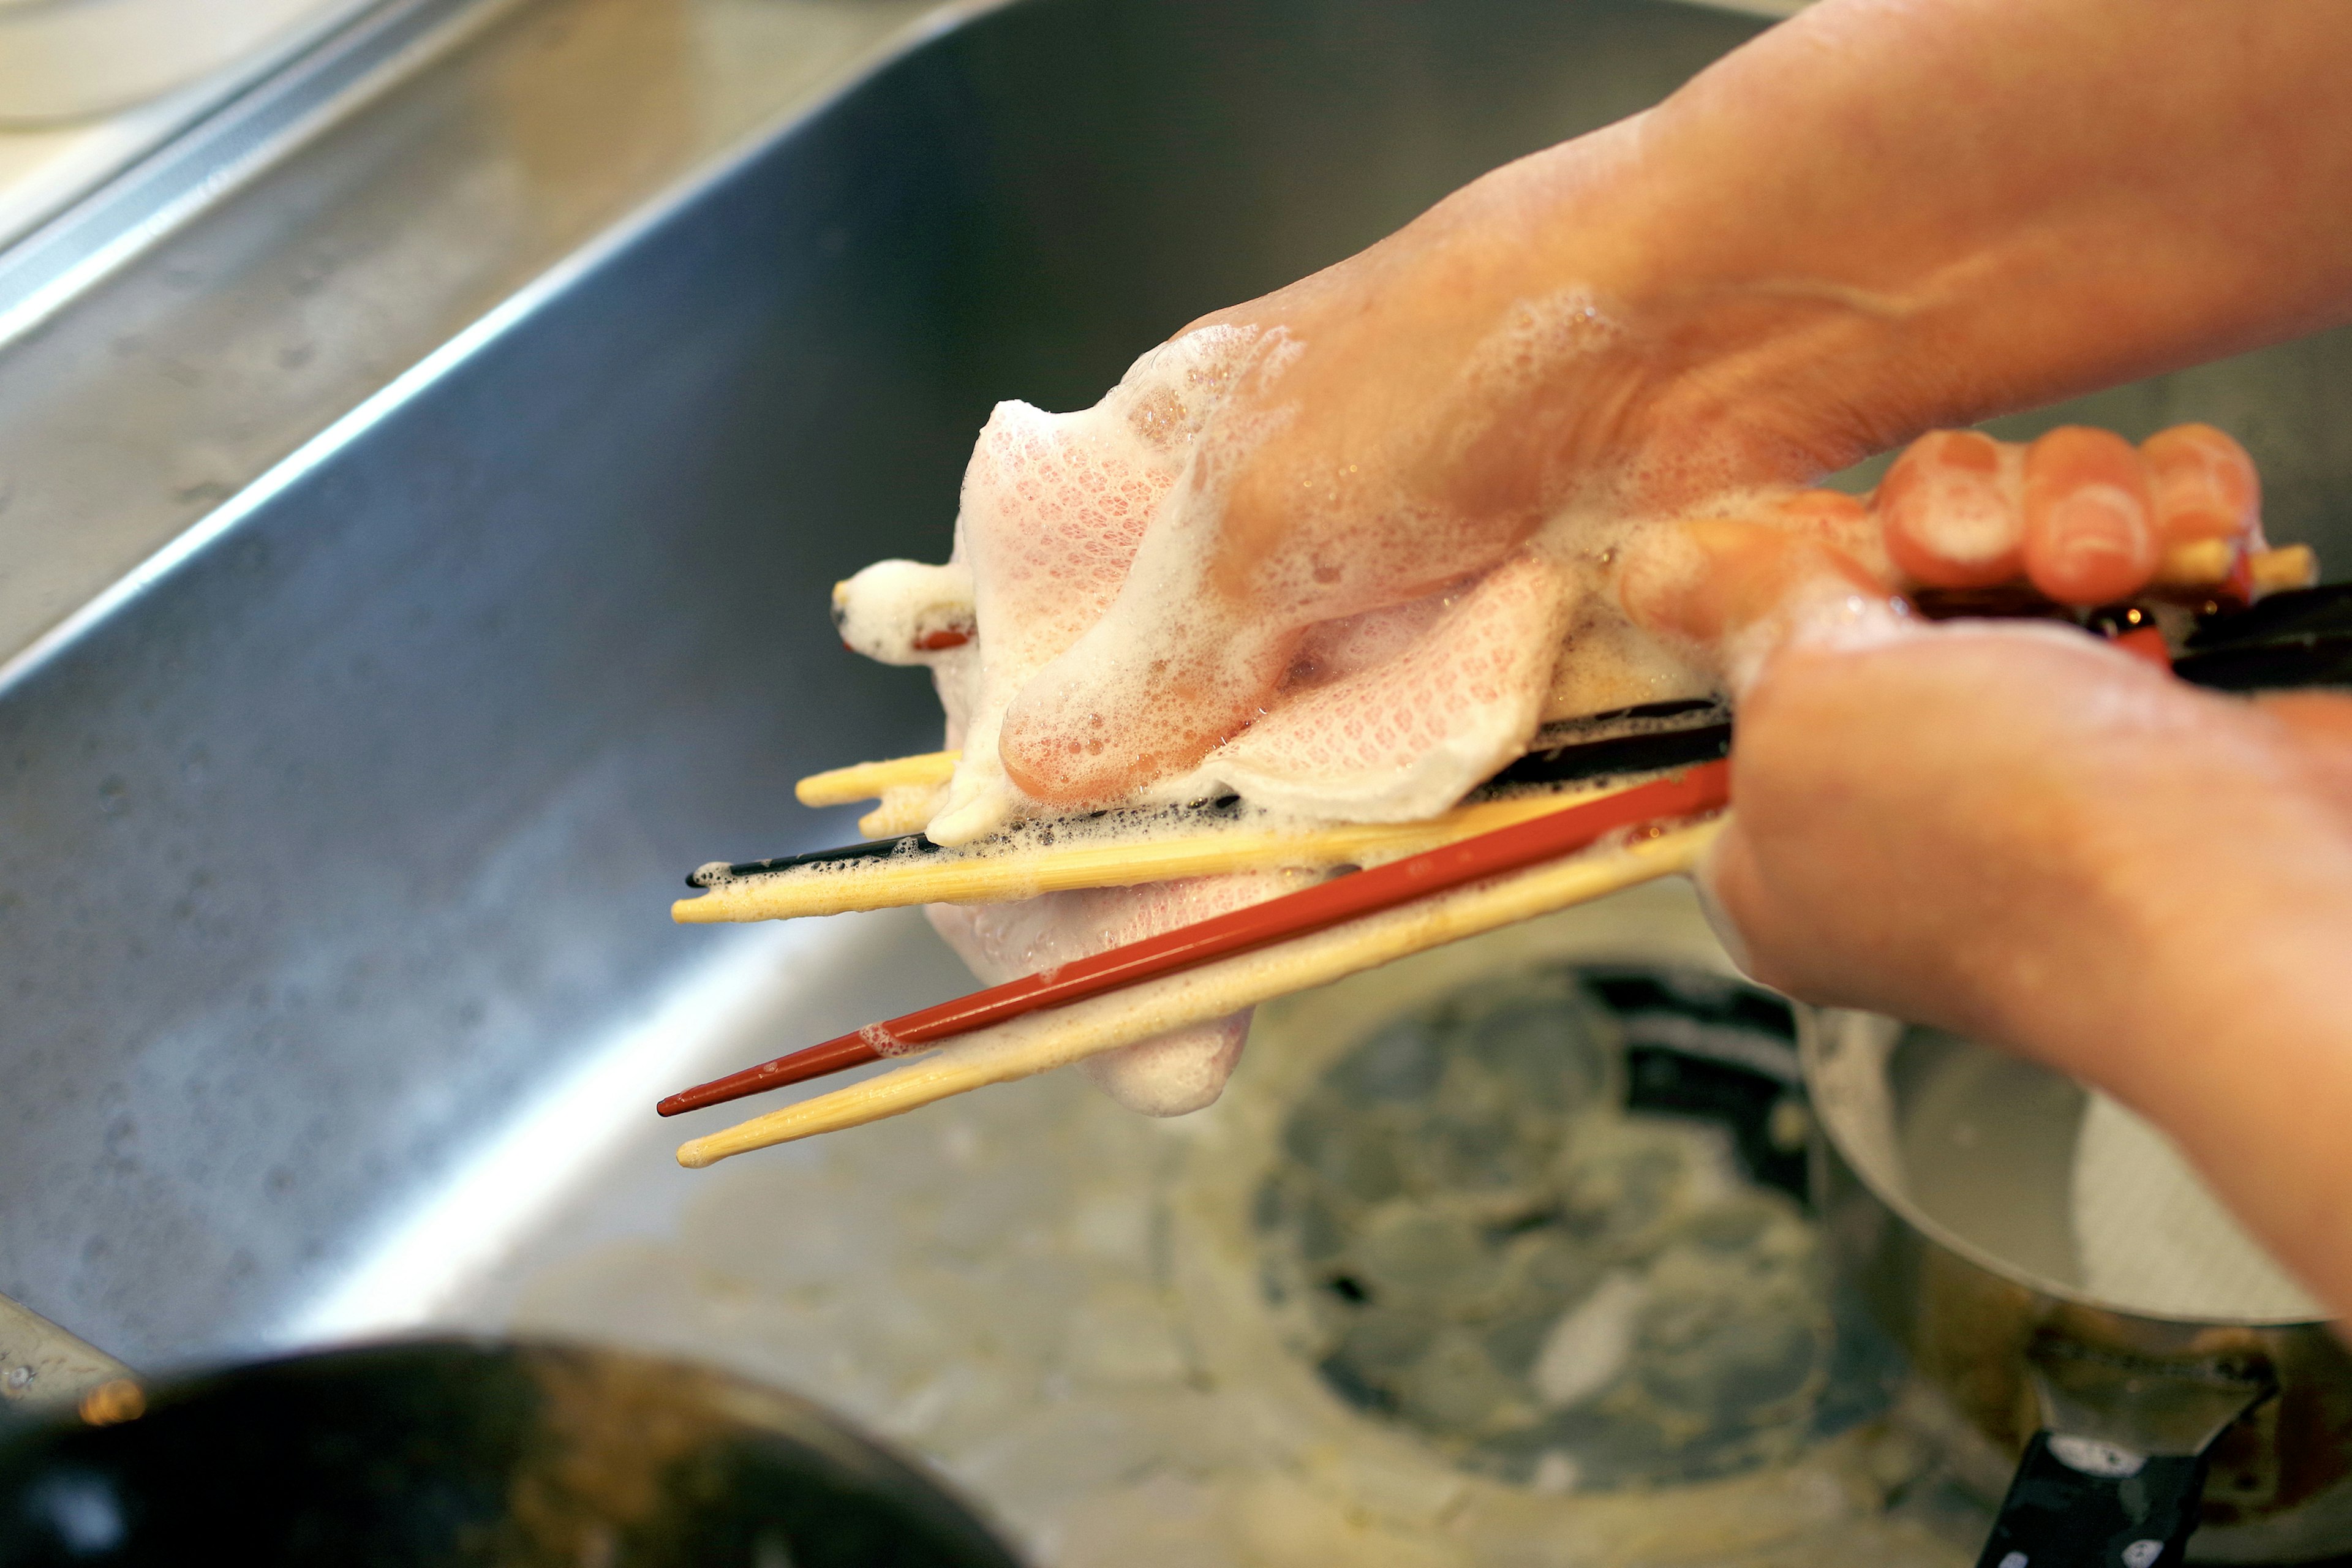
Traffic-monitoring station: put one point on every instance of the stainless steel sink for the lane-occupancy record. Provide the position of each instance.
(336, 841)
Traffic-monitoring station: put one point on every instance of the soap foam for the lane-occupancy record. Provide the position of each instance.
(904, 612)
(1084, 537)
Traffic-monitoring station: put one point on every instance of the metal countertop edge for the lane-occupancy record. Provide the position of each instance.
(486, 330)
(46, 270)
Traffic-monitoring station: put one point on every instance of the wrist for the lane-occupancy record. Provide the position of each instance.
(1579, 316)
(1736, 356)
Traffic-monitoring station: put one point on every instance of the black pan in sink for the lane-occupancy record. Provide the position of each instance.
(473, 1452)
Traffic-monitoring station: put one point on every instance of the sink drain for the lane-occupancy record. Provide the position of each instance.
(1553, 1226)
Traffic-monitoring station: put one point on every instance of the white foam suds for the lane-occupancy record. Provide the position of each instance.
(904, 612)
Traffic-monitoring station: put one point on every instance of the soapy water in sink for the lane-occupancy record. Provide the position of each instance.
(1062, 1306)
(1548, 1288)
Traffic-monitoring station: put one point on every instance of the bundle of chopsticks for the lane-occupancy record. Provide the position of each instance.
(1598, 805)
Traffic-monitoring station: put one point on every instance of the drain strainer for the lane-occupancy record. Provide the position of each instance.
(1552, 1224)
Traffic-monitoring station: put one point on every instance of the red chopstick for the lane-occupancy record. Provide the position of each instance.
(1700, 789)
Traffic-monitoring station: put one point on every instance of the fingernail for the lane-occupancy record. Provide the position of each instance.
(2094, 526)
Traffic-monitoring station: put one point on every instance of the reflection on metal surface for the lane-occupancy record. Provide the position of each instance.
(64, 63)
(759, 984)
(46, 169)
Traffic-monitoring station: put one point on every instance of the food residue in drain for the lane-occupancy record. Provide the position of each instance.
(1502, 1249)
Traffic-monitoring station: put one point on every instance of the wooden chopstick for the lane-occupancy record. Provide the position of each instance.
(2210, 563)
(1054, 1037)
(981, 877)
(903, 808)
(907, 788)
(870, 781)
(1557, 831)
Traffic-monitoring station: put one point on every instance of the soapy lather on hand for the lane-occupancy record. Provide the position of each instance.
(1397, 706)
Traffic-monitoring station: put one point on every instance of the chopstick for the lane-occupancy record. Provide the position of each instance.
(2211, 563)
(907, 788)
(912, 870)
(2207, 574)
(871, 781)
(1043, 1021)
(1557, 831)
(1046, 1039)
(981, 877)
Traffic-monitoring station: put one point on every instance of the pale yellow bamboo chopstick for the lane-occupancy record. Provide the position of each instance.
(988, 878)
(908, 787)
(1042, 1041)
(2289, 566)
(905, 808)
(871, 781)
(2206, 563)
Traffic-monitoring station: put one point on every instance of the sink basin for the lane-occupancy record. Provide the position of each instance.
(336, 976)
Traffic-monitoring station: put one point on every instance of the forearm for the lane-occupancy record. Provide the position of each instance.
(1882, 217)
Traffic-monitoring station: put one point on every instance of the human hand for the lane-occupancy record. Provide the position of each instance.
(2001, 759)
(2080, 516)
(2016, 833)
(1998, 827)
